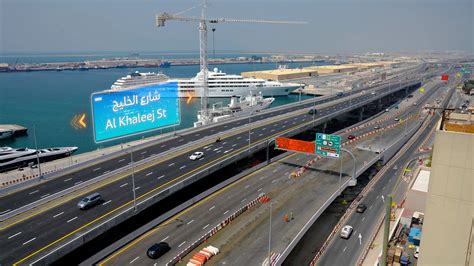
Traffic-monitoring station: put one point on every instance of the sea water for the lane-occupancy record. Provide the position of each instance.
(47, 101)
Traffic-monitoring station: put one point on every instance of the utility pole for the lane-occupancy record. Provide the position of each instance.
(386, 229)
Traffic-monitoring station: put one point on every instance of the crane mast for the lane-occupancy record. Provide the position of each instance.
(203, 20)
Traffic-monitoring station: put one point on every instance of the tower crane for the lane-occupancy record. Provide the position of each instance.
(203, 20)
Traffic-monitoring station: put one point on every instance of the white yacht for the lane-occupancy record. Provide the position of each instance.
(220, 84)
(237, 107)
(11, 158)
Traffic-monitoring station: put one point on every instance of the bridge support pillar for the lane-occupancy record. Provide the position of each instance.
(325, 125)
(269, 142)
(379, 103)
(361, 114)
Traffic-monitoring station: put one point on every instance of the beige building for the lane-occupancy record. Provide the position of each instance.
(448, 233)
(416, 196)
(281, 74)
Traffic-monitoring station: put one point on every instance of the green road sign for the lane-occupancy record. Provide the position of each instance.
(328, 145)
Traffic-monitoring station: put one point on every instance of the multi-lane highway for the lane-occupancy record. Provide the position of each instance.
(347, 252)
(186, 227)
(34, 236)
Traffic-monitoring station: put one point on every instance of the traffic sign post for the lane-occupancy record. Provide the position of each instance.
(328, 145)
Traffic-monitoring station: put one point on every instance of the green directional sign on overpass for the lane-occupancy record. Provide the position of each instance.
(328, 145)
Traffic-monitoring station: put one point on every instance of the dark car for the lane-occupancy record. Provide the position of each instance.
(89, 201)
(340, 94)
(312, 112)
(351, 137)
(361, 208)
(158, 250)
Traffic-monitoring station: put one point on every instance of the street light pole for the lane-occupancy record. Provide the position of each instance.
(250, 127)
(353, 168)
(133, 179)
(270, 237)
(37, 153)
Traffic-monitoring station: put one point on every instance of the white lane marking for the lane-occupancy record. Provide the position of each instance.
(121, 160)
(234, 145)
(72, 219)
(276, 170)
(33, 192)
(216, 149)
(243, 200)
(142, 152)
(78, 182)
(108, 171)
(29, 241)
(190, 221)
(370, 207)
(182, 167)
(363, 218)
(260, 189)
(274, 180)
(210, 209)
(123, 185)
(181, 244)
(171, 164)
(65, 180)
(137, 188)
(201, 159)
(205, 226)
(3, 212)
(197, 135)
(228, 150)
(12, 236)
(262, 177)
(264, 128)
(260, 135)
(107, 202)
(162, 146)
(377, 197)
(226, 212)
(181, 140)
(149, 173)
(45, 195)
(97, 169)
(247, 186)
(160, 177)
(54, 216)
(224, 143)
(132, 261)
(344, 250)
(164, 239)
(208, 149)
(272, 130)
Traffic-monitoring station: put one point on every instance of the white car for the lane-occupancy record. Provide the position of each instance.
(346, 231)
(373, 93)
(196, 155)
(416, 254)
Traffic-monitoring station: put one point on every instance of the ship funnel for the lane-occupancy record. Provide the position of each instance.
(233, 101)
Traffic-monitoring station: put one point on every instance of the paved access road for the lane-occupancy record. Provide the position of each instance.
(347, 252)
(32, 238)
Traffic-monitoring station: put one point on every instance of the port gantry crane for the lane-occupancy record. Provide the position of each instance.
(203, 20)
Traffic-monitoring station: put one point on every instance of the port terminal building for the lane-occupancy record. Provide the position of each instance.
(312, 71)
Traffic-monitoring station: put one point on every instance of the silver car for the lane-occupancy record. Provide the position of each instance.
(89, 201)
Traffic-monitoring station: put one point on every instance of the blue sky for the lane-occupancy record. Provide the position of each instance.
(334, 26)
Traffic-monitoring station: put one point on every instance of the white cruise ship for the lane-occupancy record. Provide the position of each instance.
(220, 84)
